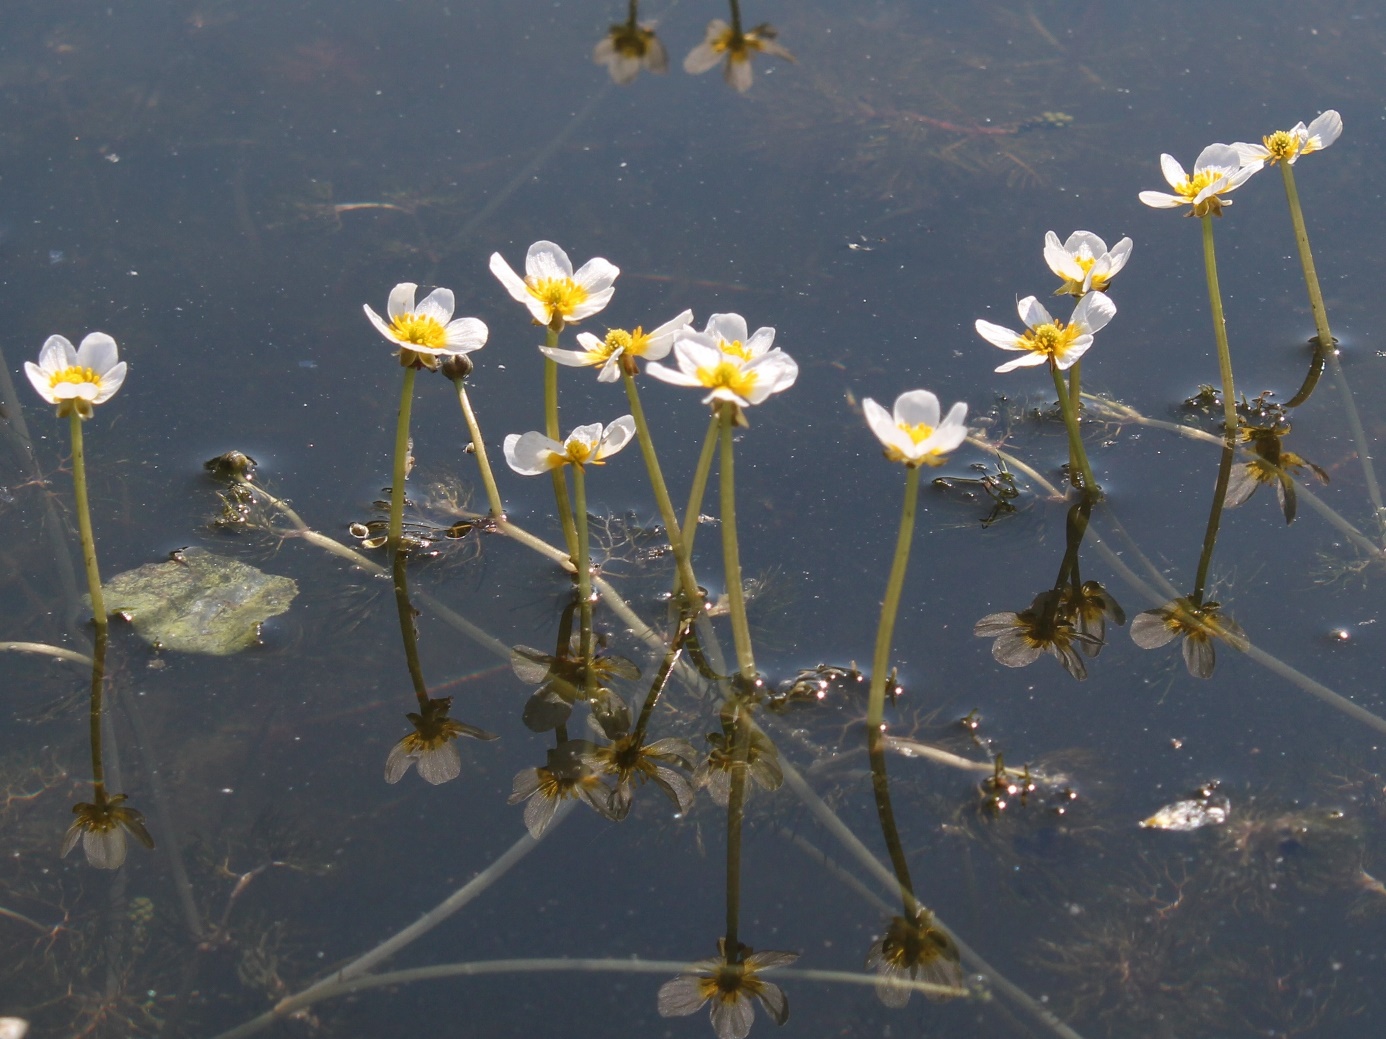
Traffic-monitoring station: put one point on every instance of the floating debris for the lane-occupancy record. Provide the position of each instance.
(198, 602)
(1193, 814)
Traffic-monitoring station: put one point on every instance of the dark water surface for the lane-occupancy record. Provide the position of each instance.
(221, 186)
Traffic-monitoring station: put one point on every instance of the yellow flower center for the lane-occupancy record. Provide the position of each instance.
(1282, 145)
(735, 347)
(1052, 340)
(1200, 180)
(727, 375)
(76, 375)
(561, 295)
(918, 433)
(419, 330)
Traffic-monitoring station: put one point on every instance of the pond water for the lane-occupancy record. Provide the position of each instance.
(221, 187)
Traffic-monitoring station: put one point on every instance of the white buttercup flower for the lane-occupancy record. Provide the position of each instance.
(1084, 262)
(607, 353)
(532, 453)
(728, 376)
(913, 434)
(77, 380)
(1218, 170)
(427, 332)
(554, 295)
(1046, 339)
(1289, 145)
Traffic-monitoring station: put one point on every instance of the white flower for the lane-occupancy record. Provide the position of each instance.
(1083, 262)
(727, 333)
(730, 375)
(607, 353)
(1289, 145)
(427, 332)
(913, 434)
(555, 295)
(738, 47)
(628, 47)
(76, 380)
(1218, 170)
(1044, 338)
(532, 453)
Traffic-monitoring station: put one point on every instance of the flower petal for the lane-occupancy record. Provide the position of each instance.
(545, 260)
(1174, 173)
(616, 436)
(681, 996)
(917, 407)
(1093, 311)
(998, 335)
(532, 453)
(465, 335)
(1160, 200)
(1028, 359)
(439, 305)
(1033, 313)
(401, 299)
(98, 352)
(512, 282)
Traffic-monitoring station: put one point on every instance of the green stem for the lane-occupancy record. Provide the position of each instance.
(1075, 400)
(1210, 266)
(666, 668)
(1210, 535)
(695, 494)
(736, 17)
(687, 581)
(731, 556)
(487, 477)
(1328, 345)
(1075, 440)
(79, 487)
(559, 476)
(885, 630)
(406, 404)
(1306, 258)
(584, 575)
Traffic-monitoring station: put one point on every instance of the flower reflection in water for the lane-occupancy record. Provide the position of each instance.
(635, 763)
(565, 775)
(430, 746)
(1049, 625)
(1197, 625)
(913, 950)
(731, 986)
(101, 828)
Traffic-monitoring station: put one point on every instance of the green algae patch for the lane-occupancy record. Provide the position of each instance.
(199, 602)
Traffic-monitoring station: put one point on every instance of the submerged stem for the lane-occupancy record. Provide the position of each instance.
(1210, 266)
(1210, 535)
(584, 575)
(408, 630)
(98, 681)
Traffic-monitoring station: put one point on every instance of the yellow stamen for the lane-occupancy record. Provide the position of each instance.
(561, 295)
(735, 347)
(1053, 339)
(727, 375)
(918, 433)
(1282, 145)
(618, 339)
(419, 330)
(76, 375)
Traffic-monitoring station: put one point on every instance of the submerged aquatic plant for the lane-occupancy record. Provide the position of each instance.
(732, 983)
(914, 949)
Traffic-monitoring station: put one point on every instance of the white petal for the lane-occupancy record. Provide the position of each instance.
(1116, 259)
(98, 352)
(439, 305)
(1026, 360)
(1174, 173)
(1217, 155)
(595, 303)
(1149, 630)
(105, 849)
(401, 299)
(671, 375)
(670, 327)
(40, 381)
(617, 436)
(1250, 153)
(1160, 200)
(775, 372)
(546, 260)
(680, 996)
(1080, 239)
(739, 76)
(760, 342)
(466, 334)
(532, 453)
(880, 421)
(733, 1020)
(1324, 130)
(916, 407)
(1093, 311)
(1079, 347)
(56, 354)
(596, 275)
(513, 283)
(611, 370)
(379, 323)
(1033, 313)
(590, 435)
(1238, 178)
(1059, 259)
(570, 358)
(997, 335)
(440, 764)
(731, 327)
(398, 762)
(110, 382)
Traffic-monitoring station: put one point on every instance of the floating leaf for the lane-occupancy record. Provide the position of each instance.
(198, 602)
